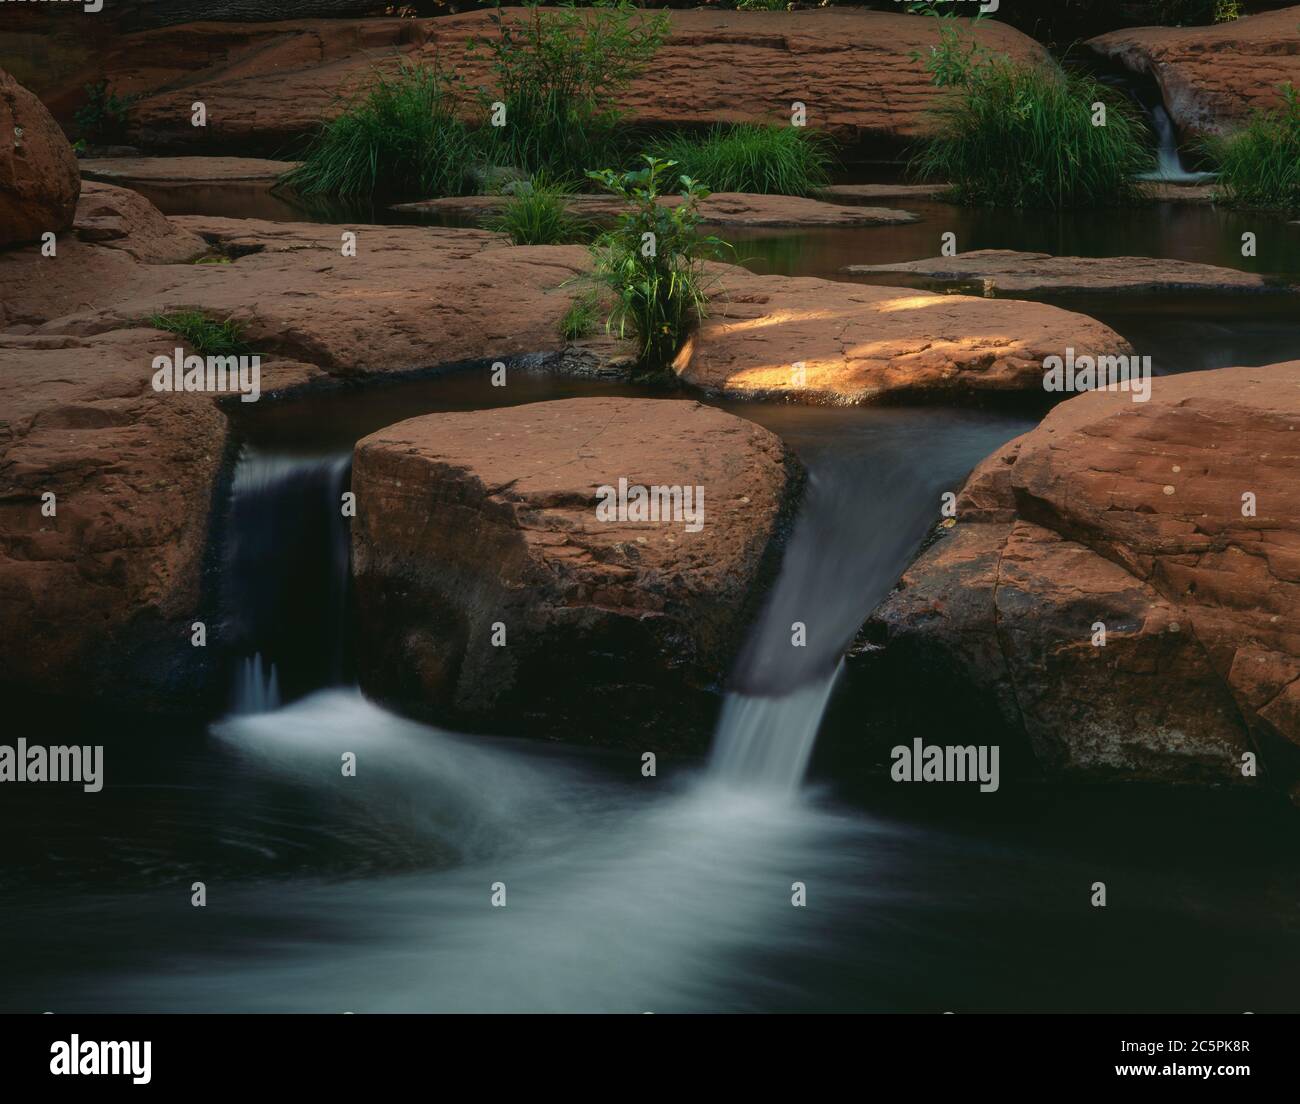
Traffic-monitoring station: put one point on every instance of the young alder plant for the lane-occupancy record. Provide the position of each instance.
(652, 261)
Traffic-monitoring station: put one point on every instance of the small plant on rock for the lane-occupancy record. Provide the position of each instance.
(653, 261)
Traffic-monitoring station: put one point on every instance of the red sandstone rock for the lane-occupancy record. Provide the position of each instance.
(1008, 272)
(1212, 77)
(39, 181)
(822, 341)
(265, 83)
(1130, 515)
(616, 631)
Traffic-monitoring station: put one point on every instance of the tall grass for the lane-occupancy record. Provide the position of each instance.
(750, 157)
(558, 73)
(399, 135)
(653, 262)
(1259, 165)
(1023, 135)
(537, 213)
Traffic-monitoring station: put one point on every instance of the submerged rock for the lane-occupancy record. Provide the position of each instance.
(824, 341)
(493, 593)
(1008, 272)
(39, 182)
(1170, 530)
(1211, 78)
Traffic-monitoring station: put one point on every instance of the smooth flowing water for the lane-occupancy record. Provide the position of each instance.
(625, 893)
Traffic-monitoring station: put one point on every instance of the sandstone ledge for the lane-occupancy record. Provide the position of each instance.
(1211, 78)
(1130, 516)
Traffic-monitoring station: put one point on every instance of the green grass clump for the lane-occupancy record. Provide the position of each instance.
(558, 73)
(1021, 135)
(203, 335)
(750, 157)
(400, 135)
(581, 318)
(653, 263)
(1259, 165)
(537, 213)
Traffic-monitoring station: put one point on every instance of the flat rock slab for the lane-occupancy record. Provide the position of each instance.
(824, 341)
(1007, 272)
(476, 524)
(1213, 77)
(267, 83)
(719, 209)
(859, 193)
(184, 170)
(1128, 516)
(1164, 191)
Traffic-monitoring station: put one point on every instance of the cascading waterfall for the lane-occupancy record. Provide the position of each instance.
(287, 576)
(1169, 159)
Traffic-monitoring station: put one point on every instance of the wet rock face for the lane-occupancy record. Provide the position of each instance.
(481, 527)
(1213, 77)
(39, 182)
(1174, 526)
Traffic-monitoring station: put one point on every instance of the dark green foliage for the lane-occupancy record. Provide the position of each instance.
(1023, 135)
(400, 135)
(201, 334)
(748, 157)
(1259, 165)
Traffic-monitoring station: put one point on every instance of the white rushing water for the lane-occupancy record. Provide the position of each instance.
(1169, 160)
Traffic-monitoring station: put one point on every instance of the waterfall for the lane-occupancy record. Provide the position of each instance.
(1169, 160)
(286, 577)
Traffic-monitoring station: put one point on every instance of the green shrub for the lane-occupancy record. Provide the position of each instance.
(652, 261)
(399, 135)
(1259, 165)
(1022, 135)
(203, 335)
(103, 118)
(1197, 12)
(749, 157)
(558, 73)
(537, 213)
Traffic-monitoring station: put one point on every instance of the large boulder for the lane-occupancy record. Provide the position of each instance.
(1136, 518)
(1213, 77)
(39, 181)
(493, 594)
(266, 84)
(825, 341)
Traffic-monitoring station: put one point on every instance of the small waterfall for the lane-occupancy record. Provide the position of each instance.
(286, 577)
(257, 690)
(1169, 160)
(1144, 92)
(872, 494)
